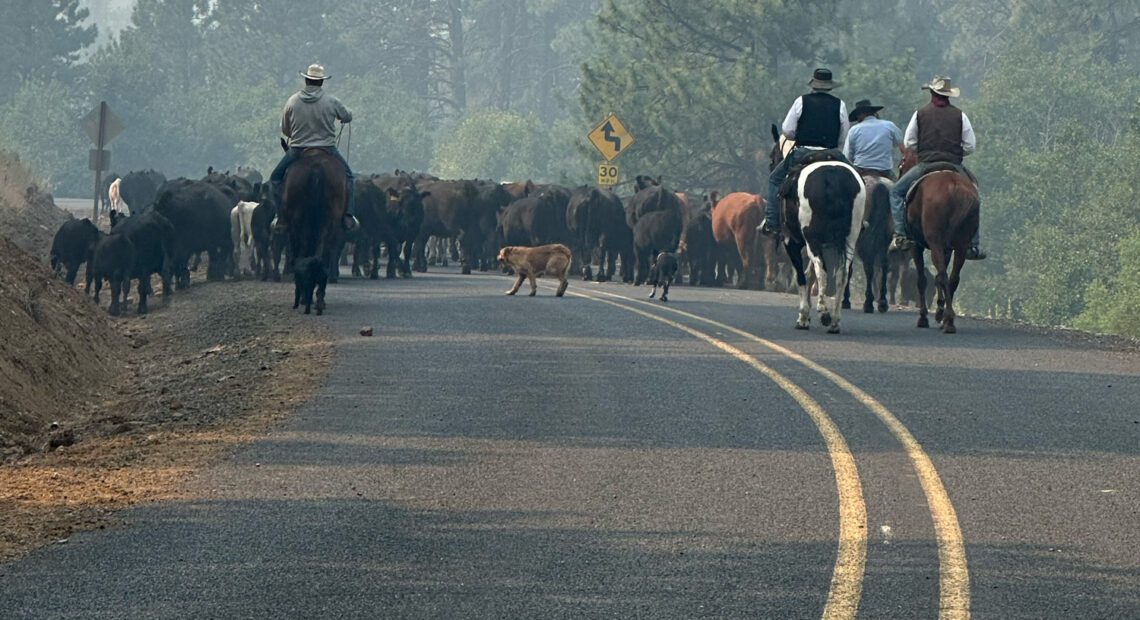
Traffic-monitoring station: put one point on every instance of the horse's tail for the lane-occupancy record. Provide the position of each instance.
(878, 211)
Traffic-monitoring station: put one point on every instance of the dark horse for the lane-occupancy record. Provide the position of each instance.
(871, 248)
(314, 200)
(942, 215)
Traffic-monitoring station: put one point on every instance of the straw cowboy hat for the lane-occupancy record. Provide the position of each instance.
(316, 72)
(821, 80)
(942, 86)
(863, 107)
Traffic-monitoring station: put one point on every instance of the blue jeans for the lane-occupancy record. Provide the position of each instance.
(898, 201)
(277, 178)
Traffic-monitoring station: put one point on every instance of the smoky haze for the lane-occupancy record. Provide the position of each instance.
(508, 89)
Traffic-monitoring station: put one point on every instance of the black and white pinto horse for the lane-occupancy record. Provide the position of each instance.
(825, 216)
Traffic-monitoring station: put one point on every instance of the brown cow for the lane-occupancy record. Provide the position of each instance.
(735, 218)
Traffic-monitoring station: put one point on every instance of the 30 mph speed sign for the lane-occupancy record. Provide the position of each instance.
(607, 174)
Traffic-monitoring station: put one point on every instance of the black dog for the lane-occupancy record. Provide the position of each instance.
(662, 272)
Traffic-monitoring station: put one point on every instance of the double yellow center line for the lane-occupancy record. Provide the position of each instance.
(847, 575)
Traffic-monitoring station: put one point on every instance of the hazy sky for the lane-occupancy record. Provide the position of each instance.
(110, 15)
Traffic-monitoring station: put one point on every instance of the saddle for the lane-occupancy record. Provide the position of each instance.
(791, 182)
(940, 167)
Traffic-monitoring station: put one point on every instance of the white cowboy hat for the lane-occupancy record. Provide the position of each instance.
(942, 86)
(316, 72)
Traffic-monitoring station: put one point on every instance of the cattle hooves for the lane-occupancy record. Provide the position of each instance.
(510, 292)
(949, 329)
(664, 298)
(923, 322)
(834, 329)
(882, 306)
(846, 305)
(532, 293)
(825, 319)
(803, 326)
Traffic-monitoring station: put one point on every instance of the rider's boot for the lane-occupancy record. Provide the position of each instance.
(901, 243)
(768, 228)
(975, 253)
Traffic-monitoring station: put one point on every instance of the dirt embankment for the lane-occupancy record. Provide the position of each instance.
(98, 412)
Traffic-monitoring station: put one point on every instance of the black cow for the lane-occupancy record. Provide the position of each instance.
(250, 175)
(662, 273)
(235, 187)
(73, 245)
(200, 214)
(699, 248)
(139, 189)
(596, 218)
(654, 198)
(395, 218)
(655, 232)
(268, 243)
(153, 238)
(113, 260)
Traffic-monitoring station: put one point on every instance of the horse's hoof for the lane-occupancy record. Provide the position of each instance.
(825, 319)
(803, 326)
(948, 328)
(868, 309)
(846, 305)
(834, 329)
(882, 306)
(664, 298)
(938, 314)
(923, 322)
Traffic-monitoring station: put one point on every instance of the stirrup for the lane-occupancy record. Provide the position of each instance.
(351, 223)
(766, 228)
(277, 225)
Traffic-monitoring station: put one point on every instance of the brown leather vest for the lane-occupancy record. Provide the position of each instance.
(940, 134)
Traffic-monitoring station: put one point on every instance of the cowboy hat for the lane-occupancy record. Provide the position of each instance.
(863, 107)
(821, 80)
(316, 72)
(942, 86)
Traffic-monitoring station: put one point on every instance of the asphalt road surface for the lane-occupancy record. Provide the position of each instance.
(603, 455)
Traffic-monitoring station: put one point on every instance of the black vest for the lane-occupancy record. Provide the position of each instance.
(819, 121)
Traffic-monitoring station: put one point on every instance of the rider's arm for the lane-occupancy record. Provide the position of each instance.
(910, 140)
(844, 123)
(343, 114)
(968, 141)
(849, 145)
(792, 120)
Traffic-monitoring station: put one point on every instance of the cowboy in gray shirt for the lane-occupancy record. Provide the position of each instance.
(309, 120)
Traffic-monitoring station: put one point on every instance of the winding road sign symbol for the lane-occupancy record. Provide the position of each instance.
(611, 138)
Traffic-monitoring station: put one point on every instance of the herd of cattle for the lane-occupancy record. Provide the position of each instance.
(229, 216)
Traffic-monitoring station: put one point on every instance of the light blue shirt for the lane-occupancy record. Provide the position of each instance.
(872, 144)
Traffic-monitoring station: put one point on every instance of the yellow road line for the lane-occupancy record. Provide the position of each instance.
(850, 562)
(953, 572)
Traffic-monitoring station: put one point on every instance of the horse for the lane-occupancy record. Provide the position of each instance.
(874, 240)
(823, 215)
(942, 212)
(314, 200)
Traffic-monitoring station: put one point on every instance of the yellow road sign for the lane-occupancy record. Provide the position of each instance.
(607, 174)
(611, 138)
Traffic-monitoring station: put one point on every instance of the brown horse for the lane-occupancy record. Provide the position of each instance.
(314, 200)
(942, 216)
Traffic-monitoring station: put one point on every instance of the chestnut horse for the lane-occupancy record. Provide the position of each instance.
(314, 200)
(942, 213)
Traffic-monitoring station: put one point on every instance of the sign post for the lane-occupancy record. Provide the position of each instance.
(611, 138)
(101, 126)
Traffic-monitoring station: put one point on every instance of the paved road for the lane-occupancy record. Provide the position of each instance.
(597, 456)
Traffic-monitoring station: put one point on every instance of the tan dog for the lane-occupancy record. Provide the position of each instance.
(533, 262)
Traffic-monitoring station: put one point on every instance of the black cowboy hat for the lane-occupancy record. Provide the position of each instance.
(821, 80)
(864, 106)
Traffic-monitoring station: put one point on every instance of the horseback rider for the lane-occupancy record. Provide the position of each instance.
(871, 143)
(309, 121)
(816, 121)
(938, 132)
